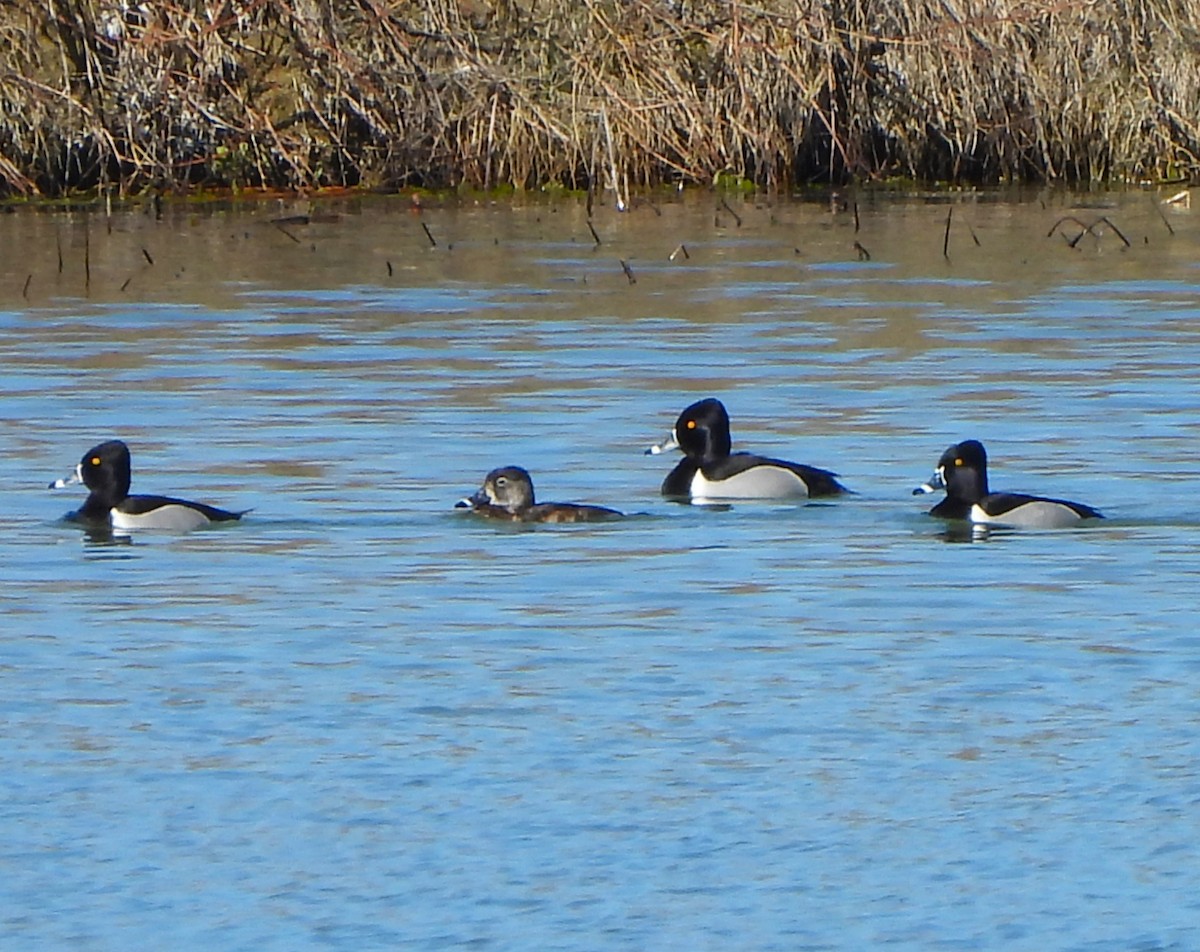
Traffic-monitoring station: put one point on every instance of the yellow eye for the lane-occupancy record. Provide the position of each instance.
(958, 462)
(95, 460)
(691, 424)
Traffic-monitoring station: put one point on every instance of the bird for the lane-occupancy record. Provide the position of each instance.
(507, 493)
(709, 471)
(962, 473)
(105, 471)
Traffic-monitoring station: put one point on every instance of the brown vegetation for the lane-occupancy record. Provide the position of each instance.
(592, 93)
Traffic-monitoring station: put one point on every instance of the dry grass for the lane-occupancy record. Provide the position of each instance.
(592, 93)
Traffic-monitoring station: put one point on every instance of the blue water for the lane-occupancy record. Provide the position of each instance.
(360, 719)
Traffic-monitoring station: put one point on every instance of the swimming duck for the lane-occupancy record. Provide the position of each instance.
(105, 470)
(709, 471)
(507, 493)
(962, 472)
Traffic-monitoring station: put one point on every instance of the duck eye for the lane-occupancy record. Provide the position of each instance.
(95, 460)
(691, 424)
(958, 462)
(502, 481)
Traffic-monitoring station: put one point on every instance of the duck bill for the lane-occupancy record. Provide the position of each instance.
(936, 481)
(474, 501)
(670, 443)
(69, 480)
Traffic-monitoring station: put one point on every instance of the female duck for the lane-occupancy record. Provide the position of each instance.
(105, 470)
(708, 471)
(507, 493)
(962, 472)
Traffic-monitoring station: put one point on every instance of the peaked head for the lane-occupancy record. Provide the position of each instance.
(961, 471)
(509, 487)
(702, 432)
(105, 470)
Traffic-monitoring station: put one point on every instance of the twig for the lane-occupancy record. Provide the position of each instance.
(736, 217)
(1108, 221)
(1087, 229)
(286, 232)
(1158, 208)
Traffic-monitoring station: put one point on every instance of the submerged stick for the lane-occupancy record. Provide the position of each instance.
(946, 237)
(863, 254)
(1158, 208)
(429, 235)
(736, 217)
(1066, 218)
(87, 258)
(1108, 221)
(1087, 229)
(595, 237)
(681, 250)
(628, 271)
(146, 255)
(286, 232)
(25, 289)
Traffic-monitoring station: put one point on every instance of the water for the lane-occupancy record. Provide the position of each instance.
(360, 719)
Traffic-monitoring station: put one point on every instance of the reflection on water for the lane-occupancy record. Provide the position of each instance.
(359, 719)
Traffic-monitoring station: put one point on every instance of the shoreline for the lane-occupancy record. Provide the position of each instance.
(616, 97)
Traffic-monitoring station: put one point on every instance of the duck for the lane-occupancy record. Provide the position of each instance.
(105, 470)
(962, 473)
(507, 493)
(709, 471)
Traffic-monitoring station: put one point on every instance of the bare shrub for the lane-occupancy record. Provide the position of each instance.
(592, 93)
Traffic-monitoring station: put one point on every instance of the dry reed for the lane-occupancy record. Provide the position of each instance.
(616, 94)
